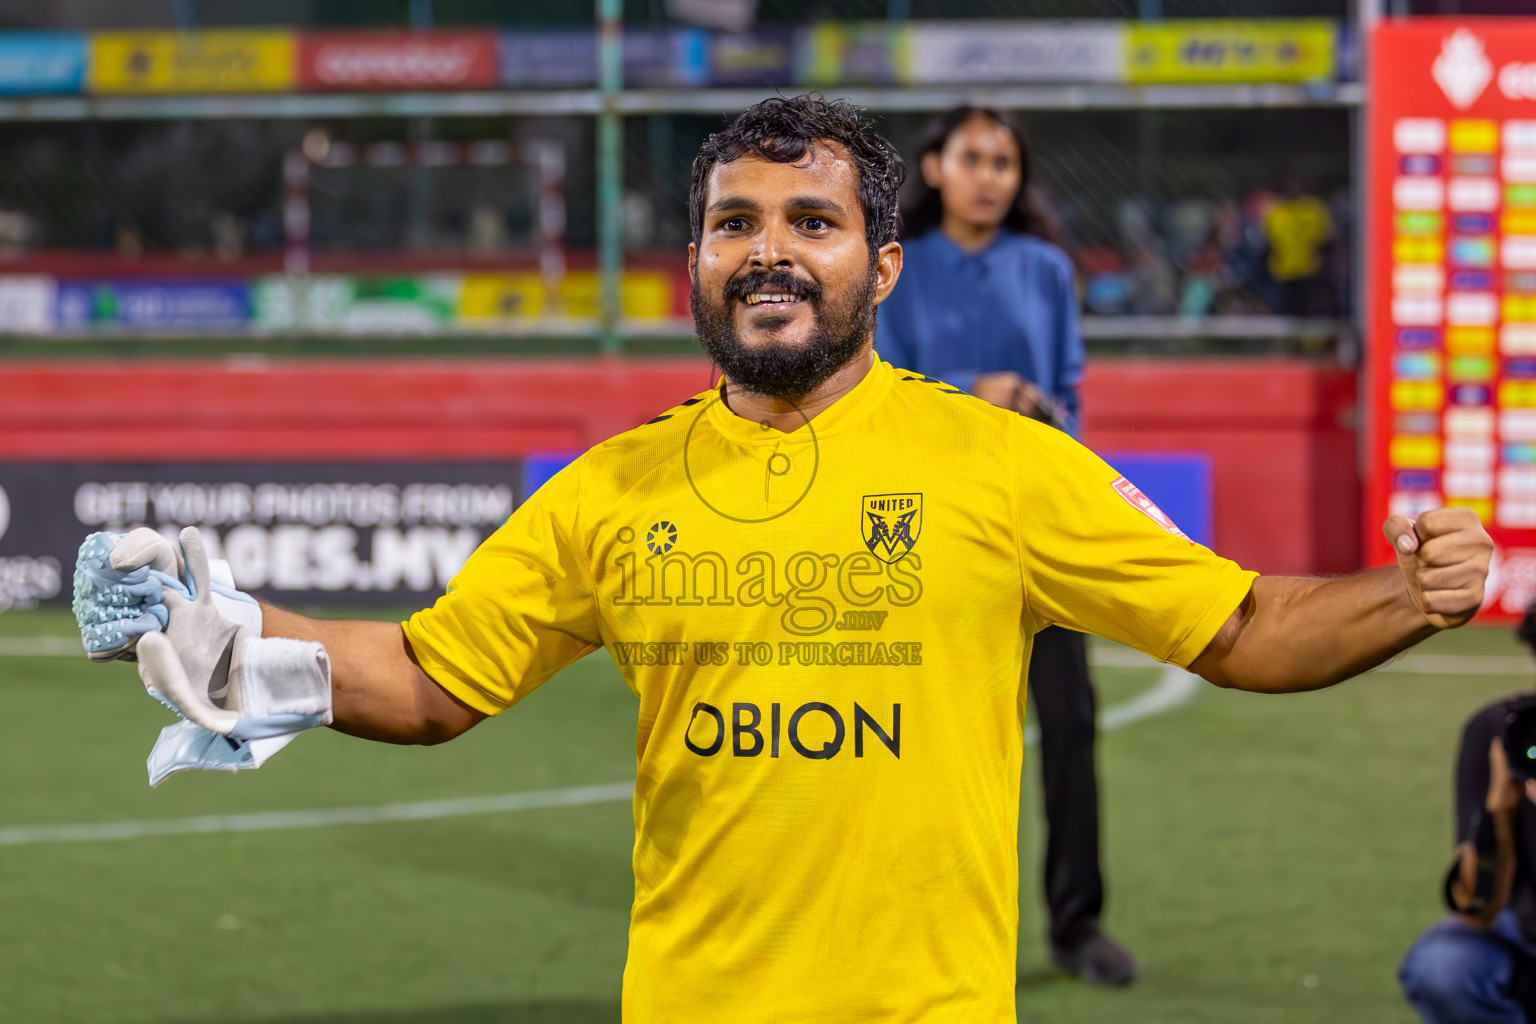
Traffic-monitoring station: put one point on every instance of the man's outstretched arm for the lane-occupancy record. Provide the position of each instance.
(1294, 634)
(378, 691)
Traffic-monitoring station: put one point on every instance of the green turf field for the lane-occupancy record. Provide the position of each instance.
(1269, 858)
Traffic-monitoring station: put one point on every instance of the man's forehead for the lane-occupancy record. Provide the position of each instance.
(826, 165)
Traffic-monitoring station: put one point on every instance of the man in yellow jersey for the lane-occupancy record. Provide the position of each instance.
(821, 580)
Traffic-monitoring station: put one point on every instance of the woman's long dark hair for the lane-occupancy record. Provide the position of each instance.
(924, 208)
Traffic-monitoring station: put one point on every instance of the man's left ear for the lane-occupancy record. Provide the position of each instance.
(887, 270)
(693, 261)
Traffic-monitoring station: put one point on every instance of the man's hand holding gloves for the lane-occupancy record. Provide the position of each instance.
(241, 696)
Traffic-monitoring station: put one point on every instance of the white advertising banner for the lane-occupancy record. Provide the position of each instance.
(983, 52)
(27, 304)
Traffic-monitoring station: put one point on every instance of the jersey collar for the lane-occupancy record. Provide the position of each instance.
(850, 408)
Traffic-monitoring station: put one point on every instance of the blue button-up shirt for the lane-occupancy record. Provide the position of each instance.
(1011, 306)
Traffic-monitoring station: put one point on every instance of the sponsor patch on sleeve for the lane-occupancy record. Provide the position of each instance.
(1146, 506)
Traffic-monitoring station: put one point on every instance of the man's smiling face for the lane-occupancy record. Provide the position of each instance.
(784, 288)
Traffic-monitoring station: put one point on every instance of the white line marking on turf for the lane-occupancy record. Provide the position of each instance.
(41, 647)
(1462, 665)
(272, 821)
(1119, 657)
(1174, 687)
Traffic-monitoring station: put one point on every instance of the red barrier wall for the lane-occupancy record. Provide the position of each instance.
(1281, 433)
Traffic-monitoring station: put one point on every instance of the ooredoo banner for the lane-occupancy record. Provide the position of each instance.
(397, 60)
(351, 533)
(1451, 368)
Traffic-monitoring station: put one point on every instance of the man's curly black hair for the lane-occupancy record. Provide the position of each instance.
(784, 130)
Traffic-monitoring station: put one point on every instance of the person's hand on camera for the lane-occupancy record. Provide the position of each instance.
(1504, 791)
(1444, 556)
(1032, 402)
(1007, 390)
(1001, 389)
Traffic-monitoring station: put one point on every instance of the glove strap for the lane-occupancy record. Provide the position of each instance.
(282, 681)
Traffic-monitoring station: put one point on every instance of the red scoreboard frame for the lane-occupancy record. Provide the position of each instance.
(1451, 279)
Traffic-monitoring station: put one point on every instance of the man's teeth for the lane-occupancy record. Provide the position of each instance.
(756, 297)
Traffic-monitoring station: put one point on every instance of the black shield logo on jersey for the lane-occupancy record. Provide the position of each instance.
(890, 524)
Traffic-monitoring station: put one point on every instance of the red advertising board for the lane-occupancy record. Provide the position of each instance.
(398, 60)
(1451, 258)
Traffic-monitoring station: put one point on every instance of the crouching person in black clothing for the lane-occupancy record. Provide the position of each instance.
(1478, 966)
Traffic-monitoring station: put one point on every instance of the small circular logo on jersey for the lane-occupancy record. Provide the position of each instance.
(778, 464)
(661, 537)
(626, 534)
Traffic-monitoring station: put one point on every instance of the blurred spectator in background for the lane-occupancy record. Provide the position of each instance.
(17, 233)
(1478, 965)
(1299, 228)
(988, 305)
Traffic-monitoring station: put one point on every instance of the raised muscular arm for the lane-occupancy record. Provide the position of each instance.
(1293, 634)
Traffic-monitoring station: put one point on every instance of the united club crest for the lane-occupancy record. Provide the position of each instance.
(890, 524)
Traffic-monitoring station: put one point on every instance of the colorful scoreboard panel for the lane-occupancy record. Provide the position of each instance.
(1451, 258)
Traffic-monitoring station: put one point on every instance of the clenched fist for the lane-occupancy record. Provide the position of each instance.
(1444, 558)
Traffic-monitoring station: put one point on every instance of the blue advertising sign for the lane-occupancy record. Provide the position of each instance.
(33, 63)
(551, 58)
(1179, 483)
(567, 58)
(540, 467)
(153, 304)
(666, 57)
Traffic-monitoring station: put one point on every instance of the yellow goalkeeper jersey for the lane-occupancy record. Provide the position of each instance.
(827, 630)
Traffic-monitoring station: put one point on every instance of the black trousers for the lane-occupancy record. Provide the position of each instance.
(1062, 694)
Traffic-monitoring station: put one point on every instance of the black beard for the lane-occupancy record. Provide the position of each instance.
(776, 370)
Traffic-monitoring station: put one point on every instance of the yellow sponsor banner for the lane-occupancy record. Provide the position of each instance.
(1517, 394)
(181, 62)
(646, 295)
(856, 53)
(1518, 222)
(1418, 250)
(1415, 453)
(1469, 341)
(1231, 50)
(1416, 396)
(1474, 136)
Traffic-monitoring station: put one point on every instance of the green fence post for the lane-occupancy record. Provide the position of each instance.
(610, 171)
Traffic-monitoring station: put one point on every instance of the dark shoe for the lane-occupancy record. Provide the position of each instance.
(1098, 960)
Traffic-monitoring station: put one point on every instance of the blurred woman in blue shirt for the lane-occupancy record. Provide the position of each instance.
(989, 305)
(985, 301)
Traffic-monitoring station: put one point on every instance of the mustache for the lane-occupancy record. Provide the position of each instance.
(776, 282)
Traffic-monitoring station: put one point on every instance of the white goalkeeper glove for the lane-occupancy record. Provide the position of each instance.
(248, 695)
(119, 582)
